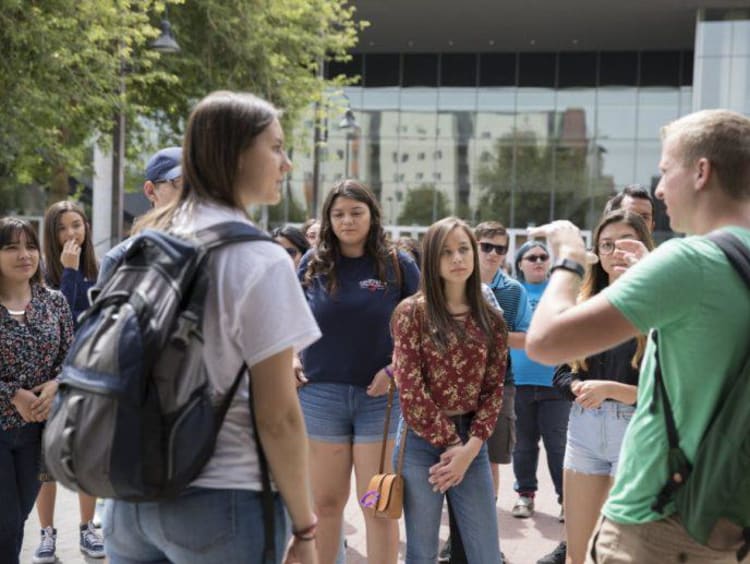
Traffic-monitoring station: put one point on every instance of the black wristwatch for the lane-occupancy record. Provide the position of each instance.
(569, 265)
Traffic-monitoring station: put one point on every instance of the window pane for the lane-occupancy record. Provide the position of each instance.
(616, 113)
(382, 70)
(577, 69)
(537, 69)
(458, 69)
(660, 68)
(497, 69)
(420, 70)
(618, 69)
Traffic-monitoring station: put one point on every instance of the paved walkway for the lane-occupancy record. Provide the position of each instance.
(523, 540)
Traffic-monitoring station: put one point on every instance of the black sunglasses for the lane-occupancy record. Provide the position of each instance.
(489, 247)
(537, 258)
(292, 251)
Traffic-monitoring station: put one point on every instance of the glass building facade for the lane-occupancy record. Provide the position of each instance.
(519, 137)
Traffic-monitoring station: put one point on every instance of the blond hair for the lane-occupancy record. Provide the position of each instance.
(722, 137)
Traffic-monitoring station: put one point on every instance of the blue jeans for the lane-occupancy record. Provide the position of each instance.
(201, 526)
(541, 411)
(472, 502)
(19, 471)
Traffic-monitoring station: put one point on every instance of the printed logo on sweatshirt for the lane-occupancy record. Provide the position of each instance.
(372, 285)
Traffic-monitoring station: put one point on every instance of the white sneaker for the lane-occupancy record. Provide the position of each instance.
(92, 543)
(45, 552)
(524, 507)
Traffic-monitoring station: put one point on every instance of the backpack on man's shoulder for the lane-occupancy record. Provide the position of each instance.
(712, 494)
(135, 417)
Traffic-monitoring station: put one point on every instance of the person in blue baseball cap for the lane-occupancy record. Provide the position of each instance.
(163, 185)
(164, 176)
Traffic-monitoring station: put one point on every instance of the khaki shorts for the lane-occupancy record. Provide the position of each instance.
(658, 542)
(503, 439)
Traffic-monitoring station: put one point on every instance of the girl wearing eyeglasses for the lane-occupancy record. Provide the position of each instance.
(603, 388)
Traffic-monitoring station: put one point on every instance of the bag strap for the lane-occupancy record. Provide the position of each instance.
(386, 428)
(229, 232)
(386, 425)
(267, 501)
(677, 461)
(736, 252)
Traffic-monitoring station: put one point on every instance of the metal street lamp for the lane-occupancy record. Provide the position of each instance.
(349, 123)
(165, 43)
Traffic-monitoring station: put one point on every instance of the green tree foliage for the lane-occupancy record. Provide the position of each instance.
(59, 77)
(423, 206)
(64, 62)
(270, 47)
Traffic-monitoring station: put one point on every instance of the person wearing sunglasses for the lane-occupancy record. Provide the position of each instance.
(541, 410)
(293, 241)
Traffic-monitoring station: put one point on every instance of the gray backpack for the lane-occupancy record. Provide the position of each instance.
(135, 417)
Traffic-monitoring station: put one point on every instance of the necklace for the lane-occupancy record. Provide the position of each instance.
(16, 311)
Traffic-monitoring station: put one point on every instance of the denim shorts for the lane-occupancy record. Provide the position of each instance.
(595, 437)
(340, 413)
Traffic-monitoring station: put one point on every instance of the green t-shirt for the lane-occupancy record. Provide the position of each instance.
(688, 291)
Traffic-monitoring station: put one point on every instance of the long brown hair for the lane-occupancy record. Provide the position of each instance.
(10, 232)
(323, 262)
(440, 323)
(220, 128)
(596, 278)
(53, 249)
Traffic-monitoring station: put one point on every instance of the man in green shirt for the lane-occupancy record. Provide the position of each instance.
(686, 290)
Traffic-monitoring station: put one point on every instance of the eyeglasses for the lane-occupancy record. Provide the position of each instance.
(175, 183)
(489, 247)
(292, 251)
(537, 258)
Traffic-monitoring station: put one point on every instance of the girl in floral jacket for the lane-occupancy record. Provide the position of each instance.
(450, 351)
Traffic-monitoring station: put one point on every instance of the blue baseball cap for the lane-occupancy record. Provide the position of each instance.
(165, 165)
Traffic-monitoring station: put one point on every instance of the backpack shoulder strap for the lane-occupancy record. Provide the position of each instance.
(229, 232)
(736, 252)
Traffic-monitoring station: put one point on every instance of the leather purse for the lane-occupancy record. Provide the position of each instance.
(385, 492)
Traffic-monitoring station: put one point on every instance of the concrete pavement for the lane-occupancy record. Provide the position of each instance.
(522, 540)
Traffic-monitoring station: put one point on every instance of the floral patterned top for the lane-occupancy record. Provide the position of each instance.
(466, 377)
(32, 351)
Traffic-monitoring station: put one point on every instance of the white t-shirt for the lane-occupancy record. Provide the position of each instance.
(254, 309)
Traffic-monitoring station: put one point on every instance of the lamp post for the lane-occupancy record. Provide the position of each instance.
(167, 44)
(348, 123)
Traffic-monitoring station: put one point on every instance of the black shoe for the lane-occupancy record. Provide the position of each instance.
(557, 556)
(445, 552)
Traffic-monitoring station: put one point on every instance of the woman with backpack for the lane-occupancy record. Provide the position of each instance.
(254, 314)
(603, 389)
(35, 332)
(70, 265)
(353, 280)
(450, 355)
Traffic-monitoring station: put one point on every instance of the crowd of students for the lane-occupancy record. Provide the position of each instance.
(335, 315)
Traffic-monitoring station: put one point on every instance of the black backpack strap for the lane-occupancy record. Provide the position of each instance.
(679, 466)
(229, 232)
(736, 252)
(269, 514)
